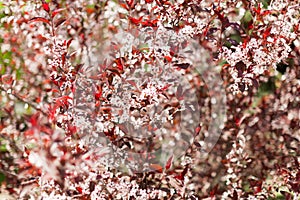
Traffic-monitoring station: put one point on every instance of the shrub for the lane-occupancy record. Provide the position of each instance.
(149, 99)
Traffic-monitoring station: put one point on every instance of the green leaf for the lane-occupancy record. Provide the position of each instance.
(2, 178)
(3, 148)
(236, 37)
(265, 3)
(19, 74)
(247, 17)
(223, 62)
(2, 68)
(7, 55)
(90, 6)
(2, 6)
(246, 21)
(267, 87)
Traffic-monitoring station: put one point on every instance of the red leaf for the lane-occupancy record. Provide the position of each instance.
(149, 1)
(197, 144)
(82, 36)
(72, 129)
(237, 121)
(179, 92)
(197, 130)
(267, 12)
(123, 128)
(59, 22)
(182, 174)
(110, 79)
(46, 7)
(26, 150)
(34, 119)
(7, 79)
(90, 10)
(63, 101)
(257, 11)
(40, 19)
(78, 67)
(131, 82)
(124, 6)
(213, 192)
(48, 89)
(130, 3)
(135, 20)
(38, 99)
(29, 132)
(169, 162)
(150, 128)
(156, 167)
(150, 23)
(97, 104)
(182, 65)
(158, 2)
(51, 111)
(114, 71)
(119, 64)
(168, 58)
(55, 12)
(69, 42)
(63, 58)
(235, 195)
(79, 189)
(267, 33)
(245, 42)
(98, 95)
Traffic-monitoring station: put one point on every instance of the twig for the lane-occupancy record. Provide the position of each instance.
(24, 100)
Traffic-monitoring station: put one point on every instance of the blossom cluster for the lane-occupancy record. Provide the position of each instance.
(123, 99)
(275, 30)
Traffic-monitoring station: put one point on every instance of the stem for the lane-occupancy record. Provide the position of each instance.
(24, 100)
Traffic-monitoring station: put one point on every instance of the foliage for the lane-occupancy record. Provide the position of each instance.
(122, 99)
